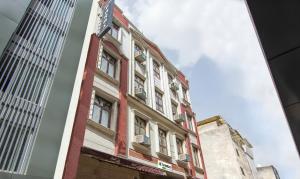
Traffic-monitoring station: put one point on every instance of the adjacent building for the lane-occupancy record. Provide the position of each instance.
(267, 172)
(226, 153)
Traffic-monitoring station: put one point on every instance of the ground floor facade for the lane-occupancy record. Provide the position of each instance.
(98, 165)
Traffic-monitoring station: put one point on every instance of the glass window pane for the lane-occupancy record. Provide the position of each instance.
(96, 114)
(111, 70)
(105, 118)
(103, 65)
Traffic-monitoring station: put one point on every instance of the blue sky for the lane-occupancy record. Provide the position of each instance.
(213, 42)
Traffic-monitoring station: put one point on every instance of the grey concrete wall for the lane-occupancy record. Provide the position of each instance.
(45, 153)
(11, 13)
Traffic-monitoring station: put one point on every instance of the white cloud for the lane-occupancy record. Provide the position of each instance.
(221, 30)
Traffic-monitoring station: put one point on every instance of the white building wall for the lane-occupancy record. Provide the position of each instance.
(267, 173)
(218, 153)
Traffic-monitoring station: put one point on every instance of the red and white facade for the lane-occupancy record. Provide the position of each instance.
(134, 117)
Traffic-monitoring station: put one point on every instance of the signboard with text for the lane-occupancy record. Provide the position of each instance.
(164, 166)
(106, 18)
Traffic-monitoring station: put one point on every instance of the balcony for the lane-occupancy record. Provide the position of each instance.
(140, 68)
(174, 86)
(142, 139)
(185, 101)
(184, 157)
(179, 118)
(140, 56)
(140, 93)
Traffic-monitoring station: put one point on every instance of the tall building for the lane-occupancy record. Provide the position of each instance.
(267, 172)
(278, 28)
(226, 153)
(42, 52)
(134, 117)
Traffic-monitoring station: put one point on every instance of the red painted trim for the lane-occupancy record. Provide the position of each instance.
(182, 79)
(188, 143)
(199, 144)
(82, 112)
(121, 138)
(118, 14)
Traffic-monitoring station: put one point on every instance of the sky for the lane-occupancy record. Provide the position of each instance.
(214, 43)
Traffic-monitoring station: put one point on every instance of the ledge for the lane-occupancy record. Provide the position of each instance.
(142, 148)
(198, 169)
(164, 156)
(186, 102)
(107, 77)
(113, 40)
(192, 132)
(182, 163)
(101, 128)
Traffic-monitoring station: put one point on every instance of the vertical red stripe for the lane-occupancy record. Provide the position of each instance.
(188, 143)
(121, 139)
(199, 144)
(82, 112)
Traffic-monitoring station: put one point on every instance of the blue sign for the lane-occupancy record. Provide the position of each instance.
(106, 18)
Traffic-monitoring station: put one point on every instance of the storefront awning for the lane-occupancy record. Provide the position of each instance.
(122, 161)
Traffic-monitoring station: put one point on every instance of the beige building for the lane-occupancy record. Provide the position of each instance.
(267, 172)
(226, 153)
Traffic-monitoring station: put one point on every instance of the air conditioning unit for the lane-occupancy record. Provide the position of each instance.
(174, 86)
(142, 139)
(140, 93)
(179, 118)
(184, 157)
(140, 56)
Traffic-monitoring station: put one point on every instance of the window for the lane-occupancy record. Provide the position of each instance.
(102, 111)
(137, 49)
(108, 64)
(242, 170)
(190, 121)
(179, 146)
(170, 79)
(114, 31)
(163, 141)
(156, 69)
(139, 126)
(184, 93)
(138, 83)
(159, 102)
(195, 157)
(174, 109)
(174, 94)
(237, 152)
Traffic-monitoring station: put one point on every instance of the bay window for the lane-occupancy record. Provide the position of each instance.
(163, 147)
(108, 64)
(159, 101)
(139, 126)
(102, 111)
